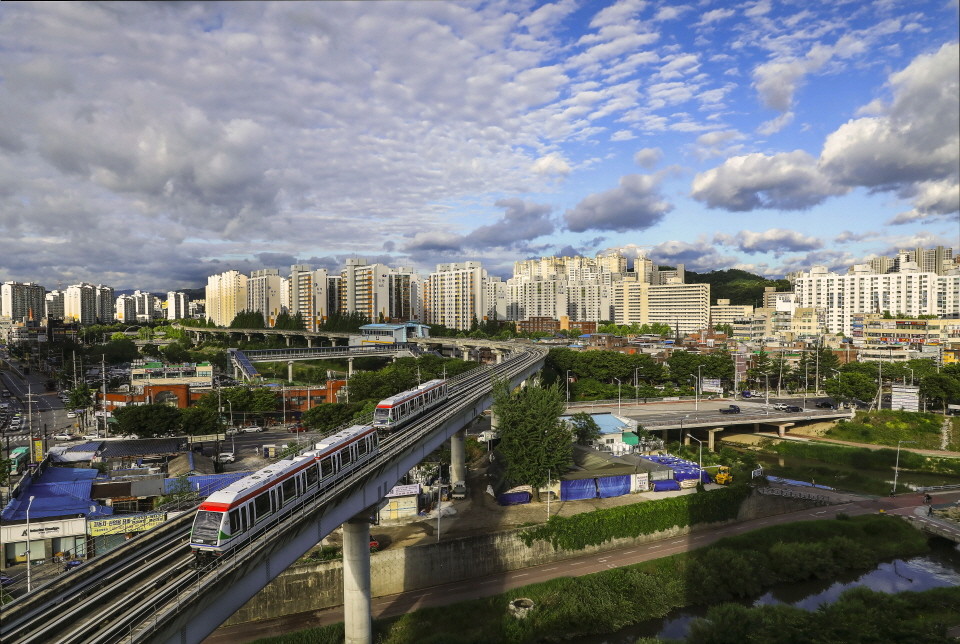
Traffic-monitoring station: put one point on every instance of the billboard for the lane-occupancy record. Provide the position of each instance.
(121, 525)
(905, 397)
(711, 385)
(37, 452)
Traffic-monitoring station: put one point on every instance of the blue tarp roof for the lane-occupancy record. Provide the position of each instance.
(207, 484)
(59, 491)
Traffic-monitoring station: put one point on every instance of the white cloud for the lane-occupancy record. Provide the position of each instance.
(775, 240)
(715, 15)
(776, 124)
(623, 135)
(785, 181)
(635, 205)
(647, 157)
(552, 163)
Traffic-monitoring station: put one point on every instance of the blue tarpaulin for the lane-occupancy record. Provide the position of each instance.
(577, 490)
(514, 498)
(665, 486)
(609, 486)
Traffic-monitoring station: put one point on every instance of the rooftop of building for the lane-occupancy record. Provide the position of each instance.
(56, 492)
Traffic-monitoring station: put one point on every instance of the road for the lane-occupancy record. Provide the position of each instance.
(399, 604)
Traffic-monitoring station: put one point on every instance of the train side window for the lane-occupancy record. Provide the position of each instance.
(326, 467)
(313, 475)
(235, 522)
(243, 518)
(289, 489)
(346, 456)
(363, 446)
(261, 506)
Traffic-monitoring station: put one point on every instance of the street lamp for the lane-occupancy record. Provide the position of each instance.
(636, 384)
(696, 392)
(28, 543)
(911, 375)
(700, 458)
(568, 387)
(681, 425)
(896, 467)
(618, 394)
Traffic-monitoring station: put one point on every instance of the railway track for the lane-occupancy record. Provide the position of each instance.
(130, 593)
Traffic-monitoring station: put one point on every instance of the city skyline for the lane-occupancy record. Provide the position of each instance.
(151, 145)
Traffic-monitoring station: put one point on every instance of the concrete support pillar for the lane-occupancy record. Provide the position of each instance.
(782, 429)
(287, 338)
(756, 428)
(498, 355)
(493, 420)
(358, 625)
(309, 342)
(248, 337)
(523, 384)
(458, 461)
(465, 353)
(710, 440)
(289, 370)
(686, 438)
(349, 367)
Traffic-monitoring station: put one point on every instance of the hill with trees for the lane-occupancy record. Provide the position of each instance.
(740, 287)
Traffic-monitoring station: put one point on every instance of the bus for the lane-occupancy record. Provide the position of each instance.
(18, 460)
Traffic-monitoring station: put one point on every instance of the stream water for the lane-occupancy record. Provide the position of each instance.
(941, 567)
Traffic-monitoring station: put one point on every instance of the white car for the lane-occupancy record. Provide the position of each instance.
(780, 406)
(252, 429)
(64, 437)
(71, 414)
(231, 431)
(93, 436)
(226, 457)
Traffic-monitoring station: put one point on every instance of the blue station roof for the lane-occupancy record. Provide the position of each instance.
(58, 492)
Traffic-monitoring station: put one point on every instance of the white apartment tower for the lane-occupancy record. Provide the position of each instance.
(308, 293)
(125, 309)
(226, 295)
(453, 295)
(80, 303)
(265, 294)
(106, 313)
(177, 305)
(685, 308)
(22, 301)
(909, 292)
(54, 305)
(144, 305)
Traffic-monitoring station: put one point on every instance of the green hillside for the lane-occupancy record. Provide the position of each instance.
(740, 287)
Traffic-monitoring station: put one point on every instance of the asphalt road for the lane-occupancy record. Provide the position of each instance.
(393, 605)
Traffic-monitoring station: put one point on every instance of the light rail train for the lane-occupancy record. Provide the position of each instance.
(227, 518)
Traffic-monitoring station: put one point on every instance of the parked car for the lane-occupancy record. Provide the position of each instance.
(294, 429)
(227, 457)
(71, 414)
(251, 429)
(92, 436)
(231, 431)
(64, 436)
(732, 409)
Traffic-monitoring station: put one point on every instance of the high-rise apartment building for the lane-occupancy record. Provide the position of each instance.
(453, 295)
(685, 308)
(177, 305)
(125, 309)
(309, 294)
(908, 292)
(20, 301)
(80, 303)
(53, 302)
(104, 302)
(226, 295)
(265, 294)
(144, 305)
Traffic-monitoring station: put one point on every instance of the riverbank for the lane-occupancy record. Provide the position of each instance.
(734, 567)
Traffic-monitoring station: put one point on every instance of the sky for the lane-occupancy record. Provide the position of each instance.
(152, 145)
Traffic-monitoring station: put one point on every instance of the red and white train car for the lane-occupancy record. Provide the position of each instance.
(228, 517)
(394, 411)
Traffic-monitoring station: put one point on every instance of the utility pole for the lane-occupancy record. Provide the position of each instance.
(103, 393)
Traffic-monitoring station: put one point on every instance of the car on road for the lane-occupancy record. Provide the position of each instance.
(5, 581)
(825, 404)
(64, 436)
(294, 429)
(780, 406)
(227, 457)
(251, 429)
(732, 409)
(231, 431)
(71, 414)
(794, 408)
(92, 436)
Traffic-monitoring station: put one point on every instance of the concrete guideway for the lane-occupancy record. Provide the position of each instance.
(185, 604)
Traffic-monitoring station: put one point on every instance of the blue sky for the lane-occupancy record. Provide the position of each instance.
(150, 145)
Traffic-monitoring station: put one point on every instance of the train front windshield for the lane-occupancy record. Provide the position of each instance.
(206, 527)
(381, 414)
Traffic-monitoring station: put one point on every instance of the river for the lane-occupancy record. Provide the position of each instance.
(939, 568)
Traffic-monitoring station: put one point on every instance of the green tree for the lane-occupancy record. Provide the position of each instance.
(148, 421)
(80, 397)
(942, 388)
(198, 421)
(535, 443)
(851, 386)
(585, 428)
(329, 416)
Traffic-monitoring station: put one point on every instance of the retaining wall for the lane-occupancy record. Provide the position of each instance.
(307, 587)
